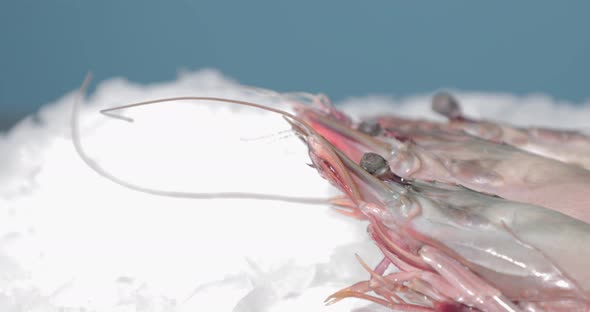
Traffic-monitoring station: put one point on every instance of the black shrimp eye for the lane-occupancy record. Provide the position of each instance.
(374, 164)
(378, 167)
(446, 104)
(372, 128)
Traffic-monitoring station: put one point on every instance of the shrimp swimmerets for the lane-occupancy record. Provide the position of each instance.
(454, 249)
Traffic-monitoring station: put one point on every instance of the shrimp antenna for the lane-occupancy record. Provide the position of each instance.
(109, 111)
(75, 128)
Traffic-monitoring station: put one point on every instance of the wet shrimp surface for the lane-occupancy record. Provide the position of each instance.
(470, 214)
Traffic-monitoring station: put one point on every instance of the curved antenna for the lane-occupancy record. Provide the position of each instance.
(74, 123)
(109, 111)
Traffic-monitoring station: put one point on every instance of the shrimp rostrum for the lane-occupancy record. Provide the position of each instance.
(449, 248)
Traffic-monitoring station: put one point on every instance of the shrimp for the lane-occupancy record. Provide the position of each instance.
(454, 249)
(456, 246)
(431, 151)
(564, 145)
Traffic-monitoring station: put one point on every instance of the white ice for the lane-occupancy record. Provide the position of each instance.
(71, 240)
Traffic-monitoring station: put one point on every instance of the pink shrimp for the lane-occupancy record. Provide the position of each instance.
(455, 246)
(425, 150)
(564, 145)
(454, 249)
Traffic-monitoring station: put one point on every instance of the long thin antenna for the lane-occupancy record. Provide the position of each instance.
(75, 128)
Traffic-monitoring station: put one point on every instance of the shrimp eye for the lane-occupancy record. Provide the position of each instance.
(374, 164)
(445, 104)
(372, 128)
(378, 167)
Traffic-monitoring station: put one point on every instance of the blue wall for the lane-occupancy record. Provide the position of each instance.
(342, 48)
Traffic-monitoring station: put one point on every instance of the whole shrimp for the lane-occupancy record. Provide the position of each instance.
(455, 249)
(425, 150)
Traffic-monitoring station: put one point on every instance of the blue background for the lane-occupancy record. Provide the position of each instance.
(337, 47)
